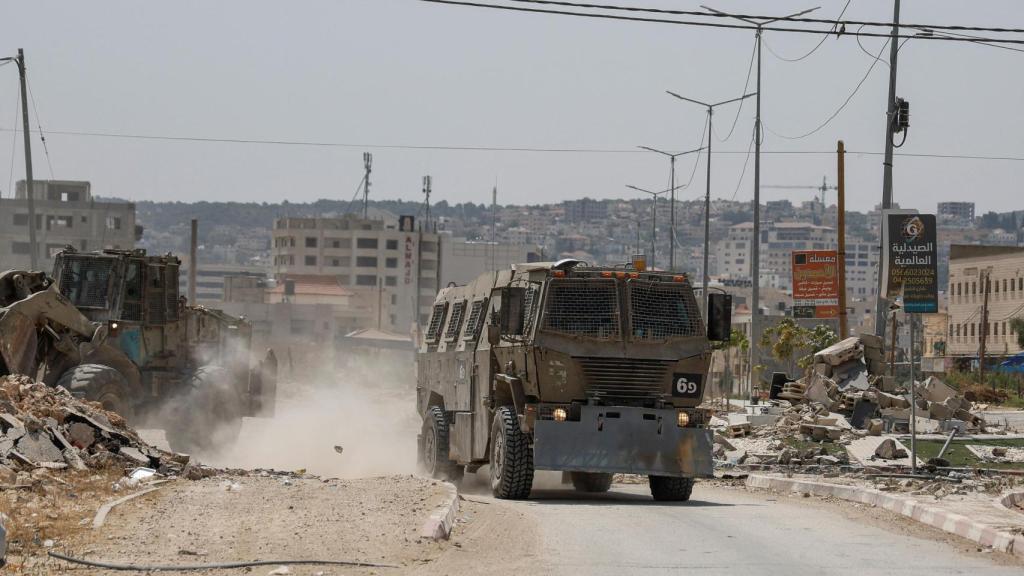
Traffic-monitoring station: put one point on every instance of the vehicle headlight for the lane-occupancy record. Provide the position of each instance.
(684, 419)
(559, 414)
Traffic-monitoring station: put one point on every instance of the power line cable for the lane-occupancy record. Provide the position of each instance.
(751, 27)
(841, 107)
(746, 83)
(451, 148)
(743, 172)
(815, 49)
(39, 125)
(700, 150)
(802, 19)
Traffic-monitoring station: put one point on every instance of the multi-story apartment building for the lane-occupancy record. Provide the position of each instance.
(955, 213)
(401, 260)
(66, 215)
(212, 278)
(968, 267)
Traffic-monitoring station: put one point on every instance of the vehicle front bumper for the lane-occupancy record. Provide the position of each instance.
(622, 439)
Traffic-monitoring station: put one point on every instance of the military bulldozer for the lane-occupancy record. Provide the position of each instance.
(111, 327)
(563, 366)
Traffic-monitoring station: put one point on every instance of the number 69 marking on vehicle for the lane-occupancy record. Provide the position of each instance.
(687, 385)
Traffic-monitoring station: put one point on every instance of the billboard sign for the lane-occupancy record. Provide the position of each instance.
(815, 284)
(910, 266)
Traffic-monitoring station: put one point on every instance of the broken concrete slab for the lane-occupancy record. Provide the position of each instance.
(840, 352)
(872, 341)
(135, 455)
(81, 435)
(936, 390)
(863, 449)
(37, 447)
(875, 426)
(888, 450)
(853, 374)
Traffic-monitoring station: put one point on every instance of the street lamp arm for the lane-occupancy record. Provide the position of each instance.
(698, 102)
(744, 97)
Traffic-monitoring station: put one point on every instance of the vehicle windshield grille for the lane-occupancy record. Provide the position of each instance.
(86, 281)
(583, 307)
(661, 310)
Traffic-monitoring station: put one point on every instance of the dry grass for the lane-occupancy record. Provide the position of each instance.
(57, 505)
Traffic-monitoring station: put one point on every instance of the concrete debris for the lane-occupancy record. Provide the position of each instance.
(840, 352)
(4, 521)
(888, 450)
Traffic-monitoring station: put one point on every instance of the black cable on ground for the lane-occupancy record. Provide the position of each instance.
(218, 566)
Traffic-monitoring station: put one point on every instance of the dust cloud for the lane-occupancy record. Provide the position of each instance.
(367, 407)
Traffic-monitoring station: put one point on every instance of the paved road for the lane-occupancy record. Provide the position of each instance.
(721, 531)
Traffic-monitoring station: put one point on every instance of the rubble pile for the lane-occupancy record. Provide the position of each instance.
(48, 428)
(845, 397)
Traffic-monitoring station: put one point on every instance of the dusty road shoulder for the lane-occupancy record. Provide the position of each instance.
(262, 517)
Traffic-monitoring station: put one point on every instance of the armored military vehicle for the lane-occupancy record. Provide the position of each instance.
(565, 366)
(110, 326)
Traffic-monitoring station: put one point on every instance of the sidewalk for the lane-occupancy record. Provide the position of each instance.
(997, 521)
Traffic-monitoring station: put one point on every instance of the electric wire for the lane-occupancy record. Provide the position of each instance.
(743, 172)
(14, 147)
(696, 160)
(746, 83)
(815, 49)
(838, 110)
(216, 566)
(765, 17)
(463, 148)
(39, 126)
(602, 16)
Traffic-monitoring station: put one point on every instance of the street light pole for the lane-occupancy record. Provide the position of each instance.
(654, 214)
(755, 241)
(706, 278)
(672, 188)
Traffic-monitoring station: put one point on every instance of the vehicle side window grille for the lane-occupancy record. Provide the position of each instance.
(155, 305)
(131, 306)
(171, 297)
(475, 321)
(455, 324)
(436, 322)
(86, 281)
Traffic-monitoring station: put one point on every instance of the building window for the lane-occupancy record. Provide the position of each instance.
(20, 248)
(366, 243)
(21, 219)
(335, 243)
(1004, 284)
(310, 260)
(392, 245)
(344, 280)
(85, 219)
(366, 261)
(113, 223)
(366, 280)
(391, 281)
(310, 242)
(391, 262)
(972, 329)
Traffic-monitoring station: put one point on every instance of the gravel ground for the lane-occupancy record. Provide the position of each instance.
(262, 517)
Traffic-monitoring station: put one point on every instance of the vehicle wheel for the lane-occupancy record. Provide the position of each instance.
(591, 481)
(511, 457)
(209, 413)
(434, 447)
(671, 489)
(101, 384)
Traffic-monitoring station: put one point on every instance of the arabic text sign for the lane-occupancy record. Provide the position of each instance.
(815, 284)
(911, 261)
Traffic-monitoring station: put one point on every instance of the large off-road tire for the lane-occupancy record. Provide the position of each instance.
(671, 489)
(208, 414)
(591, 481)
(101, 384)
(434, 447)
(511, 457)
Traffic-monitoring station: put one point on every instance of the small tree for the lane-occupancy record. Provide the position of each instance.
(1017, 327)
(795, 345)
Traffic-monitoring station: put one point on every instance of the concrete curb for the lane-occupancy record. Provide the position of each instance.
(923, 513)
(1010, 501)
(440, 523)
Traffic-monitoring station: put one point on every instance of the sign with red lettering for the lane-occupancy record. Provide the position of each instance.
(815, 284)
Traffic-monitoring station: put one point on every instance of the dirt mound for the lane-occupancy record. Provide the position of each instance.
(982, 394)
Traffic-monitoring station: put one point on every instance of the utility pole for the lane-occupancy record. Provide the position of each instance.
(707, 195)
(654, 216)
(890, 117)
(193, 262)
(983, 333)
(672, 187)
(30, 194)
(494, 221)
(426, 192)
(367, 164)
(841, 225)
(755, 259)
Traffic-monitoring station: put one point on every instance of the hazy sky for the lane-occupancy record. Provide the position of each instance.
(409, 73)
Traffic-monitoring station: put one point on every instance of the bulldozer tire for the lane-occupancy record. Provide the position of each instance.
(591, 481)
(434, 452)
(209, 415)
(101, 384)
(671, 489)
(511, 457)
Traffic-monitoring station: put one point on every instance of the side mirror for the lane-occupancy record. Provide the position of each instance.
(719, 317)
(493, 334)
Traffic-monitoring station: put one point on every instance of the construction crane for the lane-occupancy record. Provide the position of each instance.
(824, 187)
